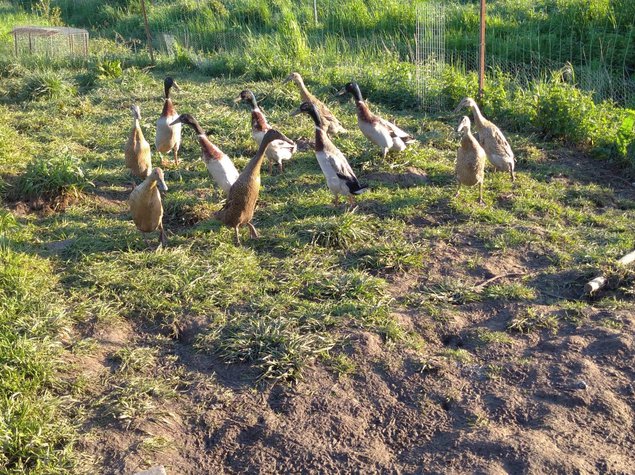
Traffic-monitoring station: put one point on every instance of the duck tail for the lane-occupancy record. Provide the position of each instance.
(360, 189)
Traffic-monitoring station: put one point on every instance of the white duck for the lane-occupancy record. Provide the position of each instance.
(168, 137)
(496, 146)
(385, 134)
(218, 164)
(278, 150)
(339, 175)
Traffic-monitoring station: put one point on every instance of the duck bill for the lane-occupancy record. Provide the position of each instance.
(296, 112)
(175, 121)
(341, 92)
(287, 79)
(176, 86)
(286, 139)
(238, 99)
(161, 185)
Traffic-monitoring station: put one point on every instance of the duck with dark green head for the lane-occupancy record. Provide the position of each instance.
(339, 175)
(279, 150)
(168, 137)
(379, 131)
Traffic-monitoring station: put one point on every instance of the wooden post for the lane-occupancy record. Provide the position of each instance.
(481, 60)
(15, 43)
(148, 37)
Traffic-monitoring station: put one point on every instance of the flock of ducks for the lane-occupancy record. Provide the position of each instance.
(242, 189)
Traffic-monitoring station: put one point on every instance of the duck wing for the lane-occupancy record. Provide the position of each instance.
(396, 131)
(491, 138)
(343, 170)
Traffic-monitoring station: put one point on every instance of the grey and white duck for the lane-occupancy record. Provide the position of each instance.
(339, 175)
(278, 151)
(379, 131)
(218, 164)
(168, 137)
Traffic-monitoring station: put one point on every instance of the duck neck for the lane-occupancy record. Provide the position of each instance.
(363, 112)
(253, 167)
(168, 108)
(304, 92)
(166, 89)
(479, 120)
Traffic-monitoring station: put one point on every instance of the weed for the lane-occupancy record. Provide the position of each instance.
(46, 85)
(339, 231)
(531, 320)
(341, 364)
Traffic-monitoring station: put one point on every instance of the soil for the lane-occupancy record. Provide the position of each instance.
(544, 402)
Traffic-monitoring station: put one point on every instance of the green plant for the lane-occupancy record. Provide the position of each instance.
(109, 69)
(47, 84)
(51, 177)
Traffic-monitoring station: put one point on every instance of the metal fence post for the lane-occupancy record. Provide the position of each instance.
(481, 61)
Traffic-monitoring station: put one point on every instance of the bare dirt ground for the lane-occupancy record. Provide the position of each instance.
(475, 398)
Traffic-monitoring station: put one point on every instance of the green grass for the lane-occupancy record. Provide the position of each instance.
(318, 275)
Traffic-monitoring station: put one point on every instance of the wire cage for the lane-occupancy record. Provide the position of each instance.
(50, 41)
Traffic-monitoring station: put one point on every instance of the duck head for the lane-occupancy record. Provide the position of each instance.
(247, 97)
(188, 119)
(157, 176)
(309, 108)
(295, 77)
(169, 83)
(465, 102)
(273, 134)
(353, 89)
(135, 111)
(464, 126)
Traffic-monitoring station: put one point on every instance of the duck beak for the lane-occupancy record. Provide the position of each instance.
(458, 108)
(237, 100)
(176, 86)
(295, 112)
(287, 79)
(161, 185)
(341, 92)
(175, 121)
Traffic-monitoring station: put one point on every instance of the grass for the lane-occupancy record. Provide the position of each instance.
(292, 299)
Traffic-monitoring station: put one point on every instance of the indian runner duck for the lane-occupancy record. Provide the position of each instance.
(137, 149)
(279, 150)
(339, 175)
(241, 200)
(496, 146)
(168, 137)
(379, 131)
(146, 207)
(219, 165)
(330, 124)
(470, 160)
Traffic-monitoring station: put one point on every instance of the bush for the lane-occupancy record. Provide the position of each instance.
(47, 84)
(51, 177)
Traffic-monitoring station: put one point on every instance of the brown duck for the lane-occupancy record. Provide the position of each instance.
(241, 199)
(137, 149)
(145, 205)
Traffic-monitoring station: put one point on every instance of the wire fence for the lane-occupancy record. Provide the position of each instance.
(528, 43)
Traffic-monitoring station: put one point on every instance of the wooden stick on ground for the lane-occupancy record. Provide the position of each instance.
(596, 284)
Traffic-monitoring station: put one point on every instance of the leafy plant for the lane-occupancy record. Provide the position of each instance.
(109, 69)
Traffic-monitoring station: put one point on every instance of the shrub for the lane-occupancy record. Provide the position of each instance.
(47, 84)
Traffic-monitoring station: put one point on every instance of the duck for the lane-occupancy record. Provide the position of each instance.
(470, 159)
(339, 175)
(137, 149)
(145, 205)
(241, 200)
(219, 165)
(330, 124)
(168, 137)
(496, 146)
(379, 131)
(279, 150)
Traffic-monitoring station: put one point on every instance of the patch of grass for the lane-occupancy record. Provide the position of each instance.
(460, 355)
(51, 177)
(340, 231)
(275, 345)
(47, 84)
(510, 291)
(488, 337)
(530, 320)
(135, 359)
(341, 364)
(451, 291)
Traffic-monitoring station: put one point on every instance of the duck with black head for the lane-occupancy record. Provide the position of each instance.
(219, 165)
(279, 150)
(379, 131)
(168, 137)
(339, 175)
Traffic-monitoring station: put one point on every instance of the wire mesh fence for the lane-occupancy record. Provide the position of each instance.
(527, 42)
